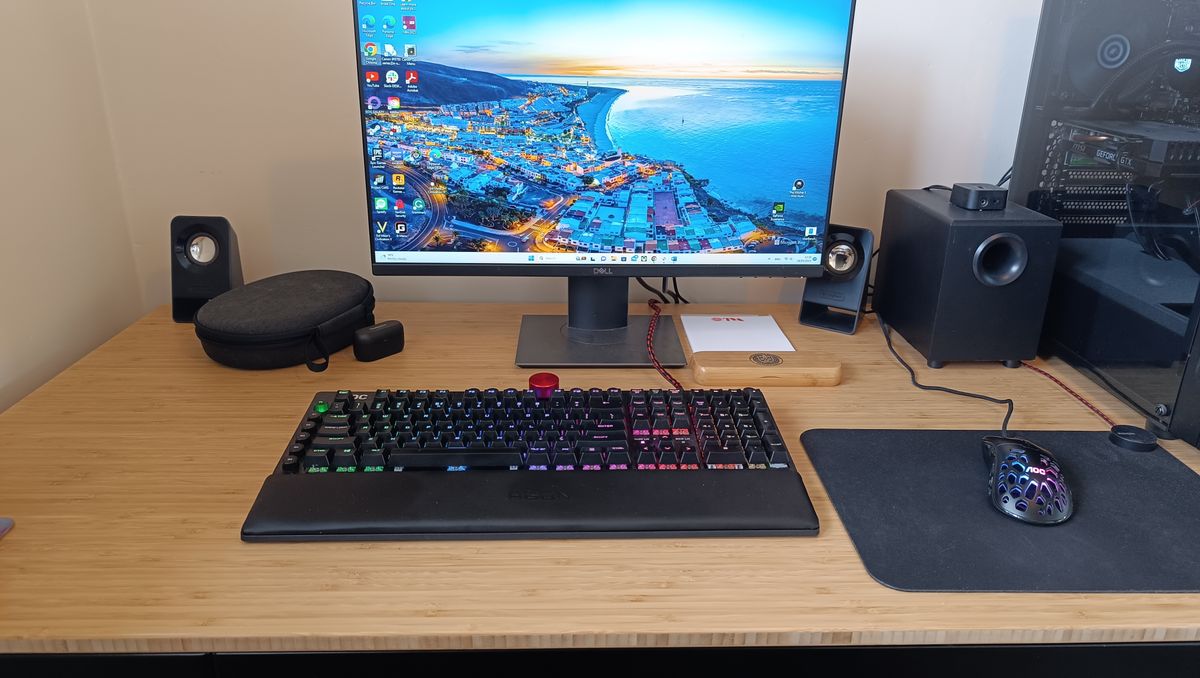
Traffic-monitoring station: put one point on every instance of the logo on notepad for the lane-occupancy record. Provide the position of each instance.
(766, 359)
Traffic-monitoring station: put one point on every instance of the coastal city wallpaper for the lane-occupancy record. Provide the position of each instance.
(563, 131)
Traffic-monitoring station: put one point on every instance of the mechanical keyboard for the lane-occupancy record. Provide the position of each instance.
(491, 463)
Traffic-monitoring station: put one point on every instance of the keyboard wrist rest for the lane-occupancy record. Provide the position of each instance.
(521, 504)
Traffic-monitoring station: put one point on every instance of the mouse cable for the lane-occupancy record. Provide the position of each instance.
(887, 336)
(1086, 403)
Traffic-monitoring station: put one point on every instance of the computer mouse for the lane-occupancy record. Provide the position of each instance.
(1026, 482)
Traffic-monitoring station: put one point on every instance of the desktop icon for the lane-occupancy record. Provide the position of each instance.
(410, 23)
(398, 180)
(392, 77)
(798, 185)
(368, 22)
(381, 228)
(393, 103)
(410, 51)
(389, 50)
(401, 227)
(388, 23)
(399, 204)
(370, 49)
(778, 208)
(410, 77)
(381, 204)
(810, 232)
(371, 76)
(374, 103)
(377, 179)
(435, 154)
(418, 205)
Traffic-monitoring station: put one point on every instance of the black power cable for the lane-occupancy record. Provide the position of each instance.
(668, 294)
(887, 336)
(678, 295)
(662, 297)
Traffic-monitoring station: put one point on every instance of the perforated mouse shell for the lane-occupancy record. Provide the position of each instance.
(1027, 483)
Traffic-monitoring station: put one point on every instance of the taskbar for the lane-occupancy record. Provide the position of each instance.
(509, 258)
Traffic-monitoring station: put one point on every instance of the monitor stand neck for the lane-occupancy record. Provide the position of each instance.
(597, 331)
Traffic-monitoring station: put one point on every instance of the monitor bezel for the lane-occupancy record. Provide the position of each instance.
(590, 270)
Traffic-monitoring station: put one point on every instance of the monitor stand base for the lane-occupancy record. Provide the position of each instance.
(546, 341)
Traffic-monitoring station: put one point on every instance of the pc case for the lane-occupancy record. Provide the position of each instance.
(1110, 147)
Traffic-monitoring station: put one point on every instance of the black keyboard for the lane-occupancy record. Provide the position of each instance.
(509, 464)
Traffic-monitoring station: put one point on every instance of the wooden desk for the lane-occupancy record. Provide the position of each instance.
(129, 476)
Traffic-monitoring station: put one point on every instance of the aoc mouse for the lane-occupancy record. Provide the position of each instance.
(1026, 482)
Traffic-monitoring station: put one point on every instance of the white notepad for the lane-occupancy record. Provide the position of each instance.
(735, 333)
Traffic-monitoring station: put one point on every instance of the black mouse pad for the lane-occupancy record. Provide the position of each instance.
(917, 508)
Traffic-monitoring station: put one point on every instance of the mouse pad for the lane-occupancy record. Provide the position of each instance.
(916, 506)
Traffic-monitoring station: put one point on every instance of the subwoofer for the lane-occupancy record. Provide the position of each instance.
(962, 285)
(835, 302)
(205, 263)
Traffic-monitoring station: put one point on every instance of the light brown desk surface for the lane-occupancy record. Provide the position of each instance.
(129, 476)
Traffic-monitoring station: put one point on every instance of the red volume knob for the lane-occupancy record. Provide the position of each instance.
(543, 384)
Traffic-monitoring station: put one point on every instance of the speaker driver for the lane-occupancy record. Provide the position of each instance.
(842, 259)
(202, 249)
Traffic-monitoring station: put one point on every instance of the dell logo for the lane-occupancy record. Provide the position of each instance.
(602, 271)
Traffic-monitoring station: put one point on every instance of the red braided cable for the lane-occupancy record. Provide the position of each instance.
(657, 308)
(1087, 403)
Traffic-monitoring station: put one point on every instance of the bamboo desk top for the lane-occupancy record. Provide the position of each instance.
(130, 473)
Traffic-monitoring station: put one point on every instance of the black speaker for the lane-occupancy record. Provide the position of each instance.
(963, 285)
(204, 263)
(835, 302)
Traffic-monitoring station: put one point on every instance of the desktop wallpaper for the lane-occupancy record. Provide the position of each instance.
(569, 129)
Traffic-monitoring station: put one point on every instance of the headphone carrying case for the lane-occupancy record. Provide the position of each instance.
(285, 320)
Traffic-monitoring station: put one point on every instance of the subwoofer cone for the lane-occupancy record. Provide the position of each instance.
(202, 249)
(1001, 260)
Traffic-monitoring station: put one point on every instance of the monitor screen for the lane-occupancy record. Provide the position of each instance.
(628, 133)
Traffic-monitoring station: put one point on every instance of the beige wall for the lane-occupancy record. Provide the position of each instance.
(200, 94)
(67, 275)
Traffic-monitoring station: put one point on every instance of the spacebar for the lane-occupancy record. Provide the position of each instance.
(444, 458)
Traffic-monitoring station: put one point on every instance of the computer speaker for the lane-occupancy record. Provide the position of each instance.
(964, 285)
(204, 263)
(835, 302)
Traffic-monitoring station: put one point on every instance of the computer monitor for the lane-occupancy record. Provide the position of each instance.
(600, 141)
